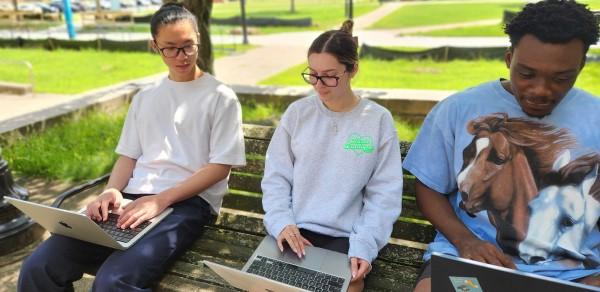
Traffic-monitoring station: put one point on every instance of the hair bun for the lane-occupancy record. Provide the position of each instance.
(347, 26)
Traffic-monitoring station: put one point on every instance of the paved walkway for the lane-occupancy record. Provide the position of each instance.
(21, 110)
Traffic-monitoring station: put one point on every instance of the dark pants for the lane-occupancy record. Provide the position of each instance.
(60, 260)
(339, 244)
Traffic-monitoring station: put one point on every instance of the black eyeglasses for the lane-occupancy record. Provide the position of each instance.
(329, 81)
(172, 52)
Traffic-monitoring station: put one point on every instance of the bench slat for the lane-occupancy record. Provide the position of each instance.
(176, 283)
(246, 243)
(234, 248)
(256, 146)
(258, 132)
(251, 183)
(251, 223)
(198, 274)
(243, 202)
(266, 132)
(413, 231)
(255, 164)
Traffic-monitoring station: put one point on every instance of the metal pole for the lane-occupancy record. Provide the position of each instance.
(244, 26)
(69, 18)
(346, 8)
(350, 9)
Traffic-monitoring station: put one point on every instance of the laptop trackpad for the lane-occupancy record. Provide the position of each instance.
(313, 259)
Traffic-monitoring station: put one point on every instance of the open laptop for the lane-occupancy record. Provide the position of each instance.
(269, 269)
(450, 273)
(78, 225)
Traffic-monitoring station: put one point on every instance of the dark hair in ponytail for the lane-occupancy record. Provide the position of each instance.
(170, 13)
(338, 43)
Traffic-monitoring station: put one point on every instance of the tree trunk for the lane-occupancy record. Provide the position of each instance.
(202, 9)
(292, 6)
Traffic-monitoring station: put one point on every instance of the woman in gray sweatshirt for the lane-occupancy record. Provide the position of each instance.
(333, 174)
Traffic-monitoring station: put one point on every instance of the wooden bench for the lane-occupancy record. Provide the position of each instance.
(238, 230)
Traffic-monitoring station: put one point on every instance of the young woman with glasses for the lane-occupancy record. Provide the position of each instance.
(180, 139)
(333, 175)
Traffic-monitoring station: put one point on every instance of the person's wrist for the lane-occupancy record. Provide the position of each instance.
(163, 199)
(110, 190)
(464, 242)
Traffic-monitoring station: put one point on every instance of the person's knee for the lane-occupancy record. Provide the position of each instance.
(36, 273)
(424, 285)
(33, 265)
(40, 261)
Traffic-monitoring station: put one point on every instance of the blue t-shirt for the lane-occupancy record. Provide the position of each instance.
(528, 185)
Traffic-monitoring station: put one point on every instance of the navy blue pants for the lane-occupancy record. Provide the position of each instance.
(60, 260)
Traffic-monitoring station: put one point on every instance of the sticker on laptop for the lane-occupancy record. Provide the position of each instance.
(465, 284)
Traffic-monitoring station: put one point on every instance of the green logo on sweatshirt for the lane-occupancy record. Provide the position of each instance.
(359, 144)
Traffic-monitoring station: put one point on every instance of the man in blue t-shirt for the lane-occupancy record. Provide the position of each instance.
(507, 171)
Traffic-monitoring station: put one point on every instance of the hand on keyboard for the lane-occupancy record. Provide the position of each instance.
(140, 210)
(109, 199)
(291, 235)
(123, 235)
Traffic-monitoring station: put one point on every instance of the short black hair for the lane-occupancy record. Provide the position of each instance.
(554, 21)
(170, 13)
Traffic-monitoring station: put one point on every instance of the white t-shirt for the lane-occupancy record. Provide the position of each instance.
(175, 128)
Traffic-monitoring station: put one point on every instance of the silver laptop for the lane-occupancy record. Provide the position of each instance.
(450, 273)
(78, 225)
(269, 269)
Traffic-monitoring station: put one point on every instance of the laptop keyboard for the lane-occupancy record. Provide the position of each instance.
(123, 235)
(294, 275)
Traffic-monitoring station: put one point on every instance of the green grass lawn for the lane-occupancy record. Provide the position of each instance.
(428, 74)
(69, 71)
(593, 4)
(25, 25)
(325, 14)
(82, 148)
(214, 29)
(126, 27)
(482, 30)
(487, 30)
(433, 14)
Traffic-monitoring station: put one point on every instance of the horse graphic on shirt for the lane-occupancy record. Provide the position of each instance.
(502, 171)
(565, 212)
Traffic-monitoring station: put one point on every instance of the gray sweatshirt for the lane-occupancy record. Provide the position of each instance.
(338, 174)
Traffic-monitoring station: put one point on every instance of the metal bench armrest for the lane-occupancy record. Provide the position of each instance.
(78, 189)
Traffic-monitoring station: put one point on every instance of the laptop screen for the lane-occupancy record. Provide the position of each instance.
(449, 273)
